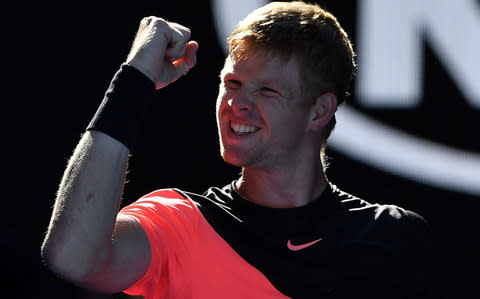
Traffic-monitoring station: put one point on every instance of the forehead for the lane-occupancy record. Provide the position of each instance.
(264, 67)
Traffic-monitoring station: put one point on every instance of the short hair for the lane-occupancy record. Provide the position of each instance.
(311, 35)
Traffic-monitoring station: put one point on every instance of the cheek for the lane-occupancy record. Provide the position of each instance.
(221, 94)
(220, 104)
(272, 112)
(284, 121)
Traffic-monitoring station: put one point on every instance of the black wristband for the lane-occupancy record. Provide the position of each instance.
(121, 112)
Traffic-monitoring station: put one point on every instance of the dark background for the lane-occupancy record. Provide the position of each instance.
(58, 59)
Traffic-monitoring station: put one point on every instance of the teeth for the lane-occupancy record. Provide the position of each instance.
(242, 129)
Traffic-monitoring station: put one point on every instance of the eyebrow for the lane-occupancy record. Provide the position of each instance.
(282, 89)
(285, 91)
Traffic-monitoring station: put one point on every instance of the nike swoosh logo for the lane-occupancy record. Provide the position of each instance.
(301, 246)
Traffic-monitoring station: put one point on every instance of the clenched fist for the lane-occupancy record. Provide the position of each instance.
(162, 51)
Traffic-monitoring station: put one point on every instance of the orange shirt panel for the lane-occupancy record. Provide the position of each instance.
(189, 259)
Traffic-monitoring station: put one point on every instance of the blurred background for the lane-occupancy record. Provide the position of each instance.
(409, 134)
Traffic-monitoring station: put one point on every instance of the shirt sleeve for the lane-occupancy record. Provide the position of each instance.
(169, 221)
(412, 237)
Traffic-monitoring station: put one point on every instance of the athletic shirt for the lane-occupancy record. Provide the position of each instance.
(219, 245)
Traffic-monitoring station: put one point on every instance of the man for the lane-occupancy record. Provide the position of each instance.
(282, 229)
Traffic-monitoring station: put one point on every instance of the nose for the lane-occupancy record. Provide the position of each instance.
(241, 100)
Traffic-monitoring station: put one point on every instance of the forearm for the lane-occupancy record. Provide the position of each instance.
(79, 235)
(78, 242)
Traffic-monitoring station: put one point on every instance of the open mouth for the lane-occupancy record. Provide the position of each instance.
(241, 129)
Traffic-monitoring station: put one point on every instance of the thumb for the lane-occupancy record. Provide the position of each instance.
(188, 61)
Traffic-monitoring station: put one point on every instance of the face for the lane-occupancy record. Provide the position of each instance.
(260, 120)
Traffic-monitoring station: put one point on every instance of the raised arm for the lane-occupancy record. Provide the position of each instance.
(86, 243)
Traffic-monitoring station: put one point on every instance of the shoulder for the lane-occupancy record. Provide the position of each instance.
(411, 240)
(162, 204)
(388, 214)
(396, 215)
(383, 220)
(405, 228)
(167, 197)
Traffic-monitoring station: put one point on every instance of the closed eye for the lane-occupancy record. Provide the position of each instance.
(269, 92)
(233, 84)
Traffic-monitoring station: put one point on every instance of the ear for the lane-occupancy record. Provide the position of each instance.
(323, 110)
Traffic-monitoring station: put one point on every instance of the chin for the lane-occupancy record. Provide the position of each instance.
(230, 159)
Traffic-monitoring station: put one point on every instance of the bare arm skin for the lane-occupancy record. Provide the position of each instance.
(86, 243)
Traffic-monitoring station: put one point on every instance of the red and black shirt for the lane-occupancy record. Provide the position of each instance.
(219, 245)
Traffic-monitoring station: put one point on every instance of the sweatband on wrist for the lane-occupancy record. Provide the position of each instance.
(121, 112)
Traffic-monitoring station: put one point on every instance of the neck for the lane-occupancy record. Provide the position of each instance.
(282, 188)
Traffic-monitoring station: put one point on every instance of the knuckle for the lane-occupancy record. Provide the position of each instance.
(160, 21)
(147, 20)
(186, 31)
(182, 30)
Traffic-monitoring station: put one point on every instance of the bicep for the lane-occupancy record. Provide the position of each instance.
(129, 257)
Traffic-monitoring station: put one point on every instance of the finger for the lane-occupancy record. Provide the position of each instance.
(147, 20)
(190, 56)
(179, 36)
(188, 61)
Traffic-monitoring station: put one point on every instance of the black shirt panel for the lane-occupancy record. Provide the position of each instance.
(362, 250)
